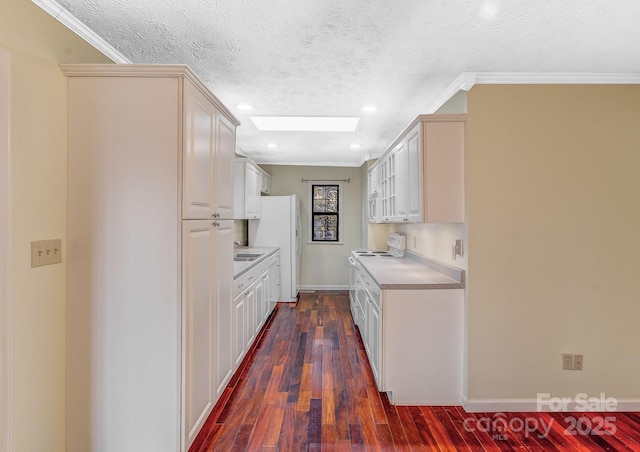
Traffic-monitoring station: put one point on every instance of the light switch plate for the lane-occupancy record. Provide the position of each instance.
(46, 252)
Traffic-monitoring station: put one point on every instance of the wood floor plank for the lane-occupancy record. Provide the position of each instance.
(414, 439)
(395, 424)
(304, 399)
(286, 439)
(449, 428)
(328, 395)
(306, 385)
(368, 425)
(314, 434)
(432, 433)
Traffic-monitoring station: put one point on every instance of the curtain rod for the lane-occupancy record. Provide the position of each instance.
(348, 181)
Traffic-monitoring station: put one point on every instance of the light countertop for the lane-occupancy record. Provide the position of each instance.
(241, 267)
(412, 272)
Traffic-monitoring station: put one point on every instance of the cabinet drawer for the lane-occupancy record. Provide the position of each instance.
(372, 288)
(240, 284)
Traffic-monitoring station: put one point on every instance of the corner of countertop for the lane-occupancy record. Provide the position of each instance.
(452, 272)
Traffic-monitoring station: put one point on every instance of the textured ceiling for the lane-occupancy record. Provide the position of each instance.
(331, 57)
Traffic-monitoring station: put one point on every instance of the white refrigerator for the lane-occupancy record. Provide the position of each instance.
(279, 225)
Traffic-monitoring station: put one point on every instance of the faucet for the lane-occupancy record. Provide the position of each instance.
(237, 243)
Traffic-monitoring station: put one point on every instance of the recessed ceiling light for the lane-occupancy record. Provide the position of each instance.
(354, 146)
(244, 107)
(369, 108)
(306, 123)
(272, 145)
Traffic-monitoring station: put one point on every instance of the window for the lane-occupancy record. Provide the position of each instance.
(324, 208)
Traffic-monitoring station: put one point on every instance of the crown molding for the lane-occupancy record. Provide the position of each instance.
(466, 80)
(71, 22)
(332, 164)
(550, 78)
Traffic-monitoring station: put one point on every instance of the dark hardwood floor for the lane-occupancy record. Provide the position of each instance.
(307, 385)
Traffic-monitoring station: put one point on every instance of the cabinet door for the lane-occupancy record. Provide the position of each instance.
(361, 300)
(414, 191)
(401, 184)
(257, 306)
(250, 316)
(239, 343)
(252, 191)
(385, 190)
(375, 339)
(198, 324)
(274, 269)
(198, 155)
(390, 188)
(223, 169)
(224, 303)
(265, 183)
(266, 295)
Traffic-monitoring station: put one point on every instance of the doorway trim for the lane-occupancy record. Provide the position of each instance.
(5, 251)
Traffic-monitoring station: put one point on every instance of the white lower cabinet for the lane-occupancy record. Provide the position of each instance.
(264, 298)
(207, 353)
(251, 307)
(239, 349)
(374, 339)
(224, 307)
(274, 270)
(414, 341)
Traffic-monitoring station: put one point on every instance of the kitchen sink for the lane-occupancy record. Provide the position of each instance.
(243, 257)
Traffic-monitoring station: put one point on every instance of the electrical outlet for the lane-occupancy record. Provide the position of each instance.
(577, 362)
(46, 252)
(459, 250)
(571, 362)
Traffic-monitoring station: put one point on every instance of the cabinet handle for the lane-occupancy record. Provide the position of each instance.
(215, 224)
(215, 215)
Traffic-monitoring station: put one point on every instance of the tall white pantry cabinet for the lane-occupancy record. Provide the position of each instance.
(150, 256)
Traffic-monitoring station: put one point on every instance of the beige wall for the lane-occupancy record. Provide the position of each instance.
(552, 191)
(37, 43)
(323, 266)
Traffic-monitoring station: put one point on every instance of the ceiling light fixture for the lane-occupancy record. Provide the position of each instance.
(369, 108)
(244, 107)
(272, 145)
(354, 146)
(306, 123)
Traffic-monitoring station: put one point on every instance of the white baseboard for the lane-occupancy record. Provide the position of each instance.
(568, 404)
(312, 288)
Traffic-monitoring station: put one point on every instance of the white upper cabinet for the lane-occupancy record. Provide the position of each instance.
(413, 186)
(421, 175)
(209, 145)
(247, 187)
(223, 170)
(265, 184)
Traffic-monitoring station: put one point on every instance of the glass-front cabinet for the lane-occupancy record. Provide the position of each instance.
(421, 174)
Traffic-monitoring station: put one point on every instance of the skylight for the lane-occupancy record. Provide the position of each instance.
(306, 123)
